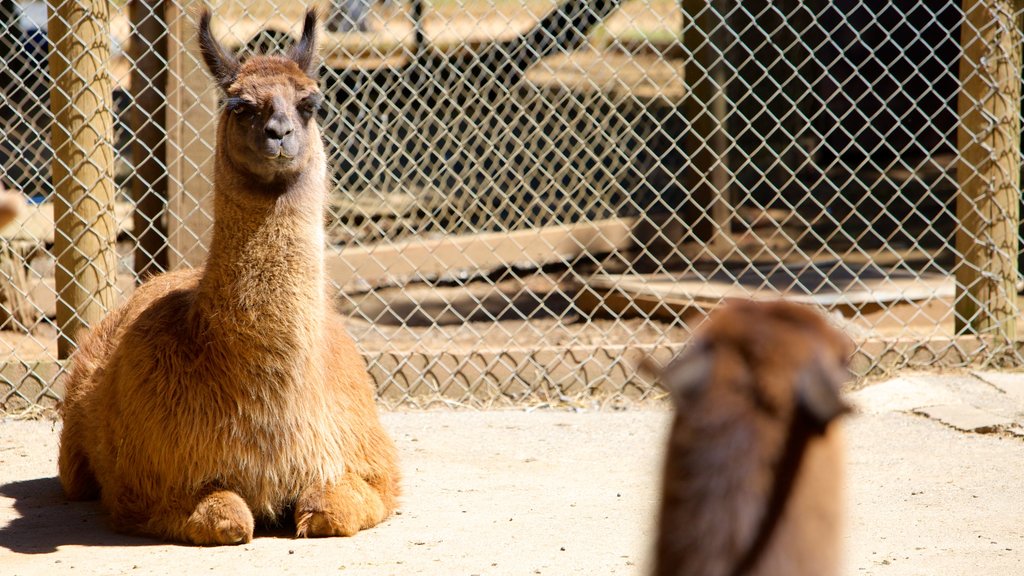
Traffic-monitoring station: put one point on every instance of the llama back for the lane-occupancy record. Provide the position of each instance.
(97, 344)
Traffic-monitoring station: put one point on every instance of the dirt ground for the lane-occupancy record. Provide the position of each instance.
(547, 492)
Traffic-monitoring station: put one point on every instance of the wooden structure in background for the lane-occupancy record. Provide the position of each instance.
(447, 257)
(191, 124)
(706, 176)
(149, 149)
(83, 166)
(989, 171)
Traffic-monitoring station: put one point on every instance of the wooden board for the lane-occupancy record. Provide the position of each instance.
(35, 224)
(451, 256)
(839, 290)
(30, 385)
(43, 295)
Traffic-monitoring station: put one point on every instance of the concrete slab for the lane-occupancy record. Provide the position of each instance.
(517, 493)
(965, 418)
(903, 393)
(1010, 383)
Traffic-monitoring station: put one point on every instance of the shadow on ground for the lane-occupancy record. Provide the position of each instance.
(47, 520)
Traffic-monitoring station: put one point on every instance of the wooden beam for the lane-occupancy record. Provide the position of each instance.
(191, 134)
(449, 256)
(706, 176)
(149, 145)
(669, 296)
(36, 223)
(26, 385)
(989, 169)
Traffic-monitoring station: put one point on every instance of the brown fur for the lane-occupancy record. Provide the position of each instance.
(227, 395)
(12, 204)
(736, 390)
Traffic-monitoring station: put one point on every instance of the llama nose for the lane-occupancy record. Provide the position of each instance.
(277, 129)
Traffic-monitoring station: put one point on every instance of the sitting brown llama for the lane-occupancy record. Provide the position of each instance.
(220, 396)
(754, 468)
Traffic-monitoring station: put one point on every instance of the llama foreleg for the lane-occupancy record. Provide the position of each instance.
(340, 509)
(219, 518)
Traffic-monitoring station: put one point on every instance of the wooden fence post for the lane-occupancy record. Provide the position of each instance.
(83, 165)
(707, 178)
(149, 149)
(988, 172)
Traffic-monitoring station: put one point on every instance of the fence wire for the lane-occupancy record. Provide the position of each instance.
(527, 198)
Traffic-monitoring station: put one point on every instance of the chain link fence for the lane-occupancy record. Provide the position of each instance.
(528, 197)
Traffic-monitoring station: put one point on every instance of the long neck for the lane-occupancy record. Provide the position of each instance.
(715, 487)
(264, 275)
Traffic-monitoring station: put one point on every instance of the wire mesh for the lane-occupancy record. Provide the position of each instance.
(528, 197)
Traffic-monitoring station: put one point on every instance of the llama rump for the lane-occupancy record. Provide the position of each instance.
(754, 467)
(222, 396)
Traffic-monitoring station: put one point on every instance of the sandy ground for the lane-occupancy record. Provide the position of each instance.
(516, 492)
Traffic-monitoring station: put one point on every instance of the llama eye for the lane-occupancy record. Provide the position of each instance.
(309, 105)
(237, 105)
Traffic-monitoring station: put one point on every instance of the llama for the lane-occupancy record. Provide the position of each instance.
(753, 473)
(218, 397)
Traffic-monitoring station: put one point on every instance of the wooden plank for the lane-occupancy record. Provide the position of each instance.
(35, 224)
(453, 255)
(866, 292)
(665, 295)
(988, 139)
(30, 385)
(43, 296)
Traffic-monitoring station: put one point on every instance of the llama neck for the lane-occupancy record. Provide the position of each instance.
(265, 271)
(715, 489)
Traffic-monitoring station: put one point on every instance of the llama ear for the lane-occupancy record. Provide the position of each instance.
(304, 51)
(818, 391)
(223, 65)
(689, 372)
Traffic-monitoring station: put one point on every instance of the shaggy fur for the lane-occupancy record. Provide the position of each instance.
(223, 396)
(738, 387)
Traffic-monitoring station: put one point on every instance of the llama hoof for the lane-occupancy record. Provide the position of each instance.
(339, 510)
(319, 524)
(221, 518)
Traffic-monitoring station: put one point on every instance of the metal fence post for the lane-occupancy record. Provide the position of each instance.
(989, 169)
(83, 165)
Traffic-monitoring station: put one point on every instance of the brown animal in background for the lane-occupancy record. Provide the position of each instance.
(220, 396)
(754, 467)
(12, 204)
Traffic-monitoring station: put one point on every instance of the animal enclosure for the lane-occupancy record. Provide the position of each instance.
(527, 198)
